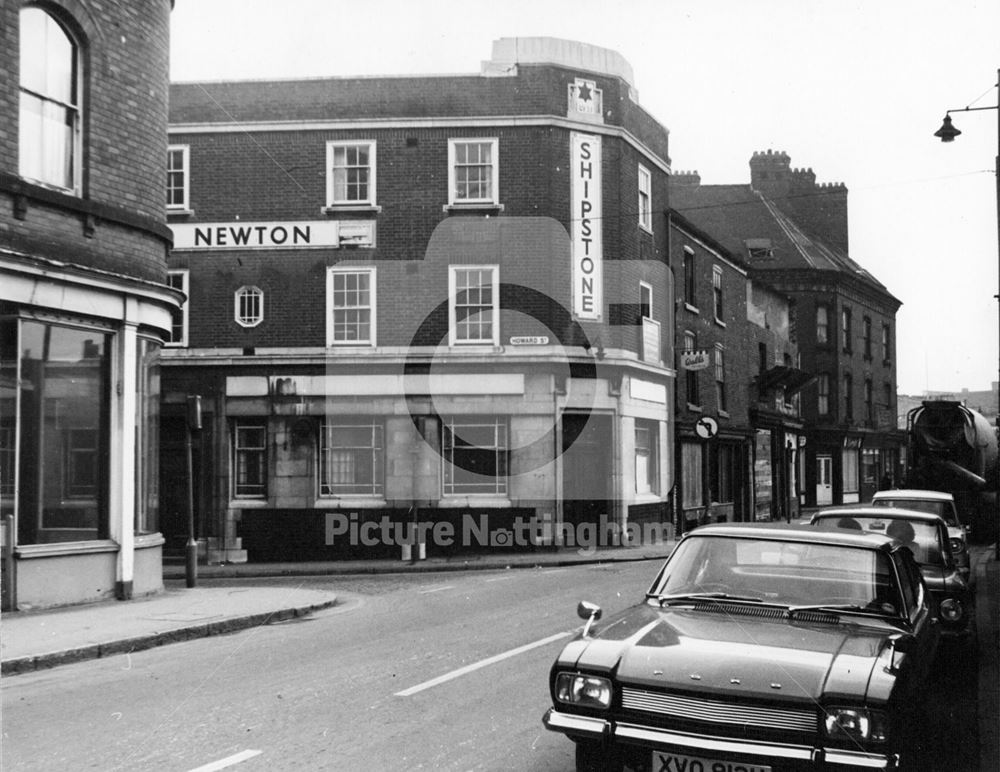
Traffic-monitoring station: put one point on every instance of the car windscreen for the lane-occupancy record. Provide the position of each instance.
(922, 538)
(781, 572)
(942, 509)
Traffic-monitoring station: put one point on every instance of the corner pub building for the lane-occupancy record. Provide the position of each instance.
(84, 304)
(436, 307)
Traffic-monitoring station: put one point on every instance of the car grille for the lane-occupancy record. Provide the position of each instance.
(719, 712)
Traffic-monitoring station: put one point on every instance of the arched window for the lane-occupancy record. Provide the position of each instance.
(249, 306)
(49, 128)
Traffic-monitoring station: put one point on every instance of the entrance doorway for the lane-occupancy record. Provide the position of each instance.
(824, 480)
(586, 465)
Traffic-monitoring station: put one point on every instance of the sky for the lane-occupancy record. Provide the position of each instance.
(853, 89)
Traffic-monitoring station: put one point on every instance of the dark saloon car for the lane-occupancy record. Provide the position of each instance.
(758, 647)
(927, 537)
(937, 503)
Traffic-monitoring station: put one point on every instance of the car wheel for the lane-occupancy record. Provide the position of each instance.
(596, 757)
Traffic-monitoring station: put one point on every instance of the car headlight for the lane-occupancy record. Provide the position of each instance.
(957, 546)
(855, 724)
(585, 690)
(951, 609)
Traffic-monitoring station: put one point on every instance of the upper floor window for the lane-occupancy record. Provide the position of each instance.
(845, 329)
(848, 397)
(49, 133)
(822, 324)
(473, 171)
(178, 177)
(691, 376)
(645, 300)
(645, 199)
(689, 282)
(720, 379)
(178, 317)
(717, 294)
(249, 306)
(473, 305)
(866, 330)
(886, 343)
(823, 391)
(869, 400)
(350, 173)
(351, 300)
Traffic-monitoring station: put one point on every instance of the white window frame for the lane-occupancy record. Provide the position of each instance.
(246, 293)
(647, 458)
(720, 379)
(258, 452)
(184, 286)
(645, 289)
(74, 109)
(453, 339)
(185, 172)
(501, 451)
(718, 296)
(331, 327)
(375, 450)
(645, 185)
(331, 200)
(493, 198)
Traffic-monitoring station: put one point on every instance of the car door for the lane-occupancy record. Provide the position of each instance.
(924, 627)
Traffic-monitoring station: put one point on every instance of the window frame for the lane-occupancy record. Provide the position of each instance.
(848, 396)
(645, 198)
(331, 323)
(650, 486)
(375, 451)
(690, 280)
(645, 300)
(846, 330)
(185, 276)
(74, 109)
(493, 197)
(720, 378)
(184, 172)
(866, 332)
(252, 491)
(246, 295)
(332, 202)
(823, 394)
(453, 339)
(692, 393)
(500, 448)
(822, 324)
(718, 306)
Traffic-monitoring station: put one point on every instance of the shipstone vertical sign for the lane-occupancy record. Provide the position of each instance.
(585, 170)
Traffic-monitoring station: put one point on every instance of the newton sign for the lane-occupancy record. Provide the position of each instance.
(256, 235)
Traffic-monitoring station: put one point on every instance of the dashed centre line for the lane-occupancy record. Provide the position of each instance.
(229, 761)
(481, 664)
(436, 589)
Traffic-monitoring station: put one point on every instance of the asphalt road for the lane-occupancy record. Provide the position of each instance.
(428, 672)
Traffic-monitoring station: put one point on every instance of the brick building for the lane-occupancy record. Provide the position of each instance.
(84, 307)
(434, 300)
(737, 418)
(792, 234)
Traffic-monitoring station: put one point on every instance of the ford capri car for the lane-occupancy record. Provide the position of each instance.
(926, 536)
(937, 503)
(760, 648)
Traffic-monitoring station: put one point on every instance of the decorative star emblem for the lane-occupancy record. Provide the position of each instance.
(584, 93)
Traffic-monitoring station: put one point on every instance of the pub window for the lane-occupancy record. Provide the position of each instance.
(475, 455)
(249, 306)
(49, 123)
(473, 171)
(250, 459)
(178, 177)
(352, 458)
(351, 300)
(350, 175)
(645, 199)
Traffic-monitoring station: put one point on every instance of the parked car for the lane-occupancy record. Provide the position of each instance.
(937, 503)
(757, 647)
(926, 535)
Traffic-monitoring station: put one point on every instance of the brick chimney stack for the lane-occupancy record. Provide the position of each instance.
(821, 210)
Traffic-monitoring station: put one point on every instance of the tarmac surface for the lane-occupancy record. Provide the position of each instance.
(46, 638)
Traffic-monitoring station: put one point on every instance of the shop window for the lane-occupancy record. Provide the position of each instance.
(248, 306)
(250, 458)
(350, 173)
(475, 455)
(179, 316)
(473, 305)
(850, 473)
(352, 458)
(64, 412)
(351, 299)
(473, 171)
(869, 466)
(178, 177)
(647, 462)
(691, 475)
(645, 199)
(722, 472)
(49, 122)
(147, 418)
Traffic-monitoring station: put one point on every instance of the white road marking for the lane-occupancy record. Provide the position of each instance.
(229, 761)
(554, 571)
(498, 579)
(481, 664)
(436, 589)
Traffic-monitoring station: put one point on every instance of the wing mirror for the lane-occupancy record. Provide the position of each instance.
(589, 611)
(900, 644)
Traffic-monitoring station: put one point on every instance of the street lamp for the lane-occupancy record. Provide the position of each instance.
(947, 133)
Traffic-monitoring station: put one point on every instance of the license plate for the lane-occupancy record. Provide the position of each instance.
(675, 762)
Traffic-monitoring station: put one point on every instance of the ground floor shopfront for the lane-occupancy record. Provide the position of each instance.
(79, 399)
(319, 462)
(848, 467)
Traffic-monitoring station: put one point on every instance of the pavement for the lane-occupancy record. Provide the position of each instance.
(37, 640)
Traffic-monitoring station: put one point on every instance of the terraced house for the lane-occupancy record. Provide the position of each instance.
(438, 302)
